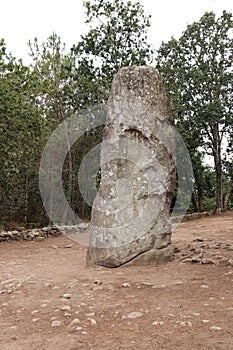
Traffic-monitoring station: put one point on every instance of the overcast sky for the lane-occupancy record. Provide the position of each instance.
(25, 19)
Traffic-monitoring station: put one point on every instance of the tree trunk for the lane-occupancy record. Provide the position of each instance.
(200, 201)
(218, 168)
(219, 205)
(194, 203)
(26, 200)
(70, 161)
(198, 175)
(228, 194)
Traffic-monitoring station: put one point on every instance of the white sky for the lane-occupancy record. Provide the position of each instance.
(25, 19)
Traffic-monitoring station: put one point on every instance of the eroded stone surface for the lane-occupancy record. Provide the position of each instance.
(131, 212)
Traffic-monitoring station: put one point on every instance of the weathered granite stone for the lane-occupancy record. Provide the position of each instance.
(131, 212)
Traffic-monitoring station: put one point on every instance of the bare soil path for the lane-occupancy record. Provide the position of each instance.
(50, 300)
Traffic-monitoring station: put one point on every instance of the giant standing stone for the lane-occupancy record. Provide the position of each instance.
(131, 212)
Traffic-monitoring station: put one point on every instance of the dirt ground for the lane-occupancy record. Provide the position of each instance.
(50, 300)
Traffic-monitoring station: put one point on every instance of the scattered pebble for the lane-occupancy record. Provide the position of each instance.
(207, 261)
(215, 328)
(92, 321)
(184, 323)
(98, 282)
(157, 323)
(56, 324)
(126, 285)
(159, 286)
(66, 296)
(228, 273)
(147, 284)
(178, 283)
(65, 308)
(230, 262)
(75, 322)
(55, 287)
(44, 305)
(188, 260)
(135, 314)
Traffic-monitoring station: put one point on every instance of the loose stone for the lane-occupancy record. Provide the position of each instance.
(66, 296)
(135, 314)
(65, 308)
(215, 328)
(56, 324)
(126, 285)
(75, 322)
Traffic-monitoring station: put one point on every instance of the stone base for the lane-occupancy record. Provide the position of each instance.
(151, 257)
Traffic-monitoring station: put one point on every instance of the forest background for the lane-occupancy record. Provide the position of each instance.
(36, 98)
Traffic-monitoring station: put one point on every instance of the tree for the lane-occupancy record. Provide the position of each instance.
(197, 72)
(117, 38)
(228, 164)
(229, 175)
(54, 71)
(20, 130)
(228, 193)
(59, 96)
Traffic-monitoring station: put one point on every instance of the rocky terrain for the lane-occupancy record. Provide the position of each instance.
(50, 300)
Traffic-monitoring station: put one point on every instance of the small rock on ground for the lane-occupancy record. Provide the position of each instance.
(134, 314)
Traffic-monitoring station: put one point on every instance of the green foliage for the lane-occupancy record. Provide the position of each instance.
(53, 69)
(61, 92)
(35, 99)
(117, 38)
(197, 71)
(20, 126)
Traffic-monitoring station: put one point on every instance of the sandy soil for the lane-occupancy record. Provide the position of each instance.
(50, 300)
